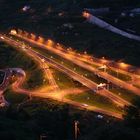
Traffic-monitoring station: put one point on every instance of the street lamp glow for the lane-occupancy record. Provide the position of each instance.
(86, 14)
(13, 32)
(40, 39)
(26, 34)
(32, 36)
(123, 65)
(50, 43)
(103, 60)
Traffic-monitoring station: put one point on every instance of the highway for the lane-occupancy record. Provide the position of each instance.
(59, 96)
(65, 70)
(88, 67)
(109, 64)
(48, 73)
(83, 80)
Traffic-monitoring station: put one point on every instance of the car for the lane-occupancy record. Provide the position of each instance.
(100, 116)
(2, 37)
(85, 105)
(95, 90)
(2, 104)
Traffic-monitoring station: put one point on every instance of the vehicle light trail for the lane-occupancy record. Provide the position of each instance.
(88, 67)
(86, 82)
(72, 74)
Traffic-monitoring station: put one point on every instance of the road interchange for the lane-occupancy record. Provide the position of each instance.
(83, 80)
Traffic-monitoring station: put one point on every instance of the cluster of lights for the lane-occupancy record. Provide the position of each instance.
(51, 43)
(86, 14)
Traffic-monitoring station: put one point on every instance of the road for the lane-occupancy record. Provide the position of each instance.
(117, 115)
(83, 80)
(88, 67)
(49, 74)
(59, 96)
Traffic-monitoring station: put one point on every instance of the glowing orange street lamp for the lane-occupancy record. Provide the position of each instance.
(49, 43)
(59, 46)
(13, 32)
(26, 34)
(123, 65)
(85, 52)
(103, 60)
(19, 31)
(76, 129)
(40, 39)
(86, 14)
(33, 37)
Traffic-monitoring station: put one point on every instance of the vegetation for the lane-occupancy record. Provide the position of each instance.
(56, 120)
(65, 82)
(119, 75)
(96, 41)
(95, 78)
(124, 93)
(132, 115)
(72, 66)
(11, 58)
(14, 98)
(53, 118)
(94, 99)
(1, 76)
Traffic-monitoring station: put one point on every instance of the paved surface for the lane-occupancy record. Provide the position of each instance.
(73, 74)
(88, 67)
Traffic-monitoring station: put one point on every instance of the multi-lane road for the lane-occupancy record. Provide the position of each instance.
(83, 80)
(88, 67)
(72, 74)
(81, 62)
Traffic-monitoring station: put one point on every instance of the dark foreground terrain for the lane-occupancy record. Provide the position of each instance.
(50, 18)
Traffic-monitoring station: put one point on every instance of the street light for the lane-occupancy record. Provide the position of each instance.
(19, 32)
(30, 96)
(76, 129)
(33, 37)
(86, 14)
(26, 34)
(13, 32)
(117, 73)
(104, 67)
(86, 74)
(50, 43)
(123, 65)
(103, 60)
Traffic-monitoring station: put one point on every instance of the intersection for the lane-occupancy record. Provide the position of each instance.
(83, 62)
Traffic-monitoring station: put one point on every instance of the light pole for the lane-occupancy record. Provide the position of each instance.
(30, 96)
(107, 86)
(76, 129)
(117, 73)
(105, 68)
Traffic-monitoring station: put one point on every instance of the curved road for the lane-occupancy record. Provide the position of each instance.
(86, 82)
(86, 66)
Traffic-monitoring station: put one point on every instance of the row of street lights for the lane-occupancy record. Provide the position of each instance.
(49, 42)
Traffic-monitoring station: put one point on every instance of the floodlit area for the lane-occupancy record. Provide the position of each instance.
(71, 75)
(69, 70)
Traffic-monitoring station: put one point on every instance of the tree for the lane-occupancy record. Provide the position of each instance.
(132, 114)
